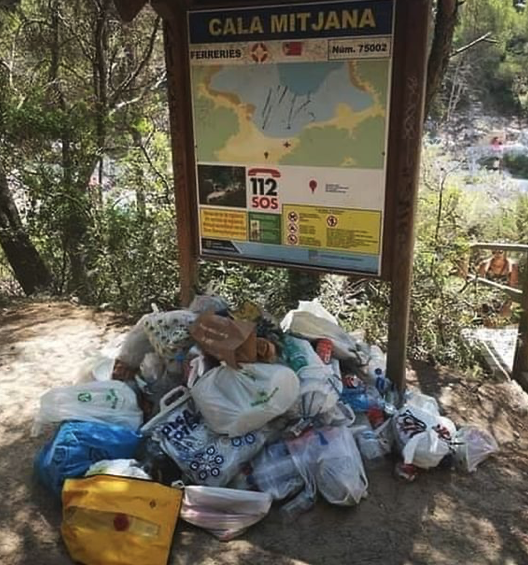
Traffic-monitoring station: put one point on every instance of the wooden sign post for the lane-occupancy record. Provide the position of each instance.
(296, 132)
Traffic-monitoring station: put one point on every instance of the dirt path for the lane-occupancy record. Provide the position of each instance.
(444, 518)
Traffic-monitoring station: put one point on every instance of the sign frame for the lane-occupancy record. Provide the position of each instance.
(410, 48)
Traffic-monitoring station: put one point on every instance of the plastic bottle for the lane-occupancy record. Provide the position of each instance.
(375, 374)
(369, 447)
(362, 398)
(377, 360)
(303, 502)
(293, 355)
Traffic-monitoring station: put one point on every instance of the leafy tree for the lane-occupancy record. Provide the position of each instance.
(75, 75)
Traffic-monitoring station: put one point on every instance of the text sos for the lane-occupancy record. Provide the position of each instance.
(264, 192)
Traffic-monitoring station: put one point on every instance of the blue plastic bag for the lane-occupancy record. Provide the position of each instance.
(77, 445)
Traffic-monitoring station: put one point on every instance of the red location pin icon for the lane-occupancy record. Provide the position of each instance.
(313, 185)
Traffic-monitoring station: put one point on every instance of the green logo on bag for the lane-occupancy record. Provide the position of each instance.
(263, 397)
(84, 397)
(112, 398)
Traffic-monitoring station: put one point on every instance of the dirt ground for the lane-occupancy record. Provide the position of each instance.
(443, 518)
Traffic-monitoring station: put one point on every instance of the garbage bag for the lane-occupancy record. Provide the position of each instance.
(272, 471)
(118, 467)
(320, 384)
(329, 462)
(98, 368)
(208, 303)
(168, 332)
(204, 457)
(119, 521)
(224, 512)
(423, 436)
(237, 401)
(473, 445)
(135, 346)
(111, 402)
(77, 445)
(312, 321)
(422, 401)
(232, 341)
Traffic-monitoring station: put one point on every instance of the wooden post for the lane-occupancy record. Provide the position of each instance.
(410, 57)
(176, 57)
(520, 363)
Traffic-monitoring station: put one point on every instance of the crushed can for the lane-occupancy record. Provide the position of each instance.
(324, 348)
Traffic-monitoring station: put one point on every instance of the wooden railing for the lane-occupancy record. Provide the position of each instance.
(520, 363)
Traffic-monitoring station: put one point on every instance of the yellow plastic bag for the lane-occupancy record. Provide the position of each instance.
(110, 520)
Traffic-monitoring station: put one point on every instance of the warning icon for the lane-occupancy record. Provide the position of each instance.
(293, 217)
(331, 221)
(293, 239)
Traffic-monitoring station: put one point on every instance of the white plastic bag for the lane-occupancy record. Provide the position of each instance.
(135, 346)
(203, 456)
(329, 461)
(237, 401)
(98, 368)
(474, 445)
(111, 402)
(423, 401)
(118, 467)
(224, 512)
(423, 436)
(312, 321)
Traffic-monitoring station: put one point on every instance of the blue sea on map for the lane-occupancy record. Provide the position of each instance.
(288, 97)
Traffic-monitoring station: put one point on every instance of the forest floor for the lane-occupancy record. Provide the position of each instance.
(444, 517)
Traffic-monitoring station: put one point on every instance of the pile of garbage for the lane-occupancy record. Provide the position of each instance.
(212, 414)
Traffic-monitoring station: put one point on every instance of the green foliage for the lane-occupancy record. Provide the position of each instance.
(517, 165)
(496, 70)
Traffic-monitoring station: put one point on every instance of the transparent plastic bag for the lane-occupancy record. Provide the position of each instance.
(272, 471)
(110, 402)
(224, 512)
(329, 461)
(474, 445)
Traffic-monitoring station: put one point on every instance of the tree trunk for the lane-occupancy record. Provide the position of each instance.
(100, 72)
(445, 22)
(28, 266)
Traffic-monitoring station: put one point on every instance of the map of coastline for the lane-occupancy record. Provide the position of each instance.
(328, 114)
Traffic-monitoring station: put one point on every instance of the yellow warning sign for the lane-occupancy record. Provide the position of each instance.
(332, 228)
(223, 224)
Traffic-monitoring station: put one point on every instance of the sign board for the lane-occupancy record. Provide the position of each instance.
(291, 116)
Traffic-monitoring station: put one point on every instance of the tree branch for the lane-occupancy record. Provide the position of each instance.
(485, 37)
(149, 88)
(127, 82)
